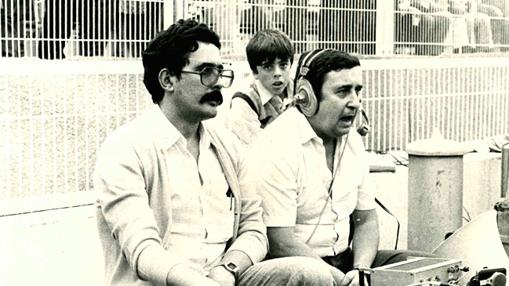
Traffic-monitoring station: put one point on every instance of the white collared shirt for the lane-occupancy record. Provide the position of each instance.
(287, 167)
(202, 214)
(265, 95)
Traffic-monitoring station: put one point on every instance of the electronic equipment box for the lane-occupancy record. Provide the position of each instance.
(417, 271)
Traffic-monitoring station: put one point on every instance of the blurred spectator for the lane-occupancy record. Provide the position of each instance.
(62, 17)
(17, 22)
(93, 26)
(422, 25)
(222, 17)
(498, 11)
(57, 24)
(297, 23)
(478, 27)
(349, 25)
(138, 22)
(256, 17)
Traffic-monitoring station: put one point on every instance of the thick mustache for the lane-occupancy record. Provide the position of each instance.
(213, 96)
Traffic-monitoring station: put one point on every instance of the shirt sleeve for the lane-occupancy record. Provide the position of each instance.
(124, 204)
(272, 174)
(367, 188)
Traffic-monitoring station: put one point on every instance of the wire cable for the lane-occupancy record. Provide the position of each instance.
(394, 216)
(329, 190)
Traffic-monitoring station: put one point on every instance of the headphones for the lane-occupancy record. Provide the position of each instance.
(305, 97)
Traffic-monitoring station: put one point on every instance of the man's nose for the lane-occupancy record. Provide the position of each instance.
(354, 100)
(218, 85)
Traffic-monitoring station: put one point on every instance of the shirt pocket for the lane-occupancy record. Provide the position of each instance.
(220, 220)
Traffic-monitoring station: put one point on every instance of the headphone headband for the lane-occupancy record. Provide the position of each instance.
(308, 60)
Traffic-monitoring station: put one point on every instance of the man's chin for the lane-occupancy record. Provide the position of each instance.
(210, 109)
(342, 131)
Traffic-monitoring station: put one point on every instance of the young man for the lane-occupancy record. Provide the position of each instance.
(270, 55)
(170, 207)
(311, 170)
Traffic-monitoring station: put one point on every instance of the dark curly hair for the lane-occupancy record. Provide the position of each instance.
(170, 49)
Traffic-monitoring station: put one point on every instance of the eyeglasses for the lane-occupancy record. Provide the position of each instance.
(211, 76)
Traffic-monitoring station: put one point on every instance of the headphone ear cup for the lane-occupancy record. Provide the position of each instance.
(306, 99)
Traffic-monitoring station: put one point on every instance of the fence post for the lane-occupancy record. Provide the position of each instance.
(505, 171)
(384, 28)
(168, 13)
(435, 191)
(174, 10)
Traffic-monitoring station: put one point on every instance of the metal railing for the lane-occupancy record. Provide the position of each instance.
(55, 115)
(465, 98)
(54, 29)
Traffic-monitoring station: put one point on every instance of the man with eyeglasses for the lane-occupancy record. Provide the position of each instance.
(170, 209)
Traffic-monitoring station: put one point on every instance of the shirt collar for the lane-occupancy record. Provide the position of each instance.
(306, 132)
(265, 95)
(169, 135)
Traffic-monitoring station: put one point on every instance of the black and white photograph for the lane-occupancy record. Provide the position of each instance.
(254, 142)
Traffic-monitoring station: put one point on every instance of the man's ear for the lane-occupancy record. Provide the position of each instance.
(165, 79)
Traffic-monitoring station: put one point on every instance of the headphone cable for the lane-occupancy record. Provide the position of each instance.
(329, 191)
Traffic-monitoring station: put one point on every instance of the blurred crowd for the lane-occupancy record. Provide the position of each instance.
(122, 28)
(431, 27)
(127, 25)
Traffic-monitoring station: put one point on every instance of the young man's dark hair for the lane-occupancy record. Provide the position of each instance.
(170, 49)
(268, 45)
(329, 60)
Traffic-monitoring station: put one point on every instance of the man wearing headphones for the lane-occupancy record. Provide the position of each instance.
(310, 168)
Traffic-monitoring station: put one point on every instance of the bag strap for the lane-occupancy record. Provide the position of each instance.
(248, 100)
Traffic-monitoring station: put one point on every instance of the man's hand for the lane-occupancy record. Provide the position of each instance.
(182, 274)
(352, 279)
(222, 276)
(337, 275)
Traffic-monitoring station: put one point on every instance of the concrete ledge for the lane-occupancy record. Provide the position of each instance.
(34, 204)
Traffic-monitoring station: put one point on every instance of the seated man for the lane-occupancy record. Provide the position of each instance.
(470, 30)
(499, 25)
(270, 56)
(311, 170)
(170, 210)
(424, 23)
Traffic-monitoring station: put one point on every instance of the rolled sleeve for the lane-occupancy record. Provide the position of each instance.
(155, 263)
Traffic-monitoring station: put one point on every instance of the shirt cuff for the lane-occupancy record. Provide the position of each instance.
(154, 263)
(255, 249)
